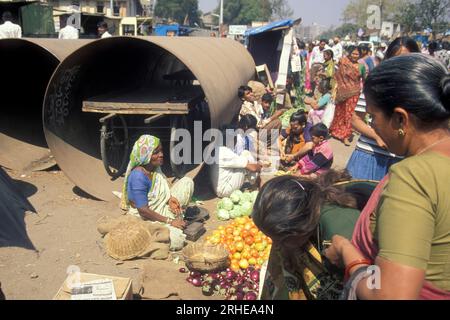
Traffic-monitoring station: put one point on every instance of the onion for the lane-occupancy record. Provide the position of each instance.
(189, 279)
(215, 276)
(228, 269)
(251, 295)
(254, 275)
(182, 270)
(195, 274)
(197, 282)
(231, 275)
(239, 296)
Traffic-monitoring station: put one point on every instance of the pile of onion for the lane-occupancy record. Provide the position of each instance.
(241, 285)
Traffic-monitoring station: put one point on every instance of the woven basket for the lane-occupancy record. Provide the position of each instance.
(204, 257)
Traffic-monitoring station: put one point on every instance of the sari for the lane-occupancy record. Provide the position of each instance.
(363, 240)
(160, 191)
(348, 79)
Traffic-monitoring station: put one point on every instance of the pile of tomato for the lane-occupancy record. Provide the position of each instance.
(247, 245)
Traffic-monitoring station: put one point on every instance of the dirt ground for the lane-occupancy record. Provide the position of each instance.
(64, 234)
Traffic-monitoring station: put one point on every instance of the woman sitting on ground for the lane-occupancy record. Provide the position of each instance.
(146, 192)
(405, 228)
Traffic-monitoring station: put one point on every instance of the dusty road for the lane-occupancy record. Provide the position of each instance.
(64, 234)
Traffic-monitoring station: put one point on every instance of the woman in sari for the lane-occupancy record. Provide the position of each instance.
(348, 79)
(146, 192)
(405, 228)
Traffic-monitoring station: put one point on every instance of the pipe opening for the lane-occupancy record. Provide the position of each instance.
(114, 76)
(26, 70)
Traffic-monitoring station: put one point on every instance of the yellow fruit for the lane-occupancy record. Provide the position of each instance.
(243, 264)
(237, 256)
(252, 261)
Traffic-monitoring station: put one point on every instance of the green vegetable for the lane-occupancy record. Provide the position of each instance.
(247, 208)
(223, 215)
(234, 214)
(246, 197)
(227, 204)
(254, 196)
(235, 198)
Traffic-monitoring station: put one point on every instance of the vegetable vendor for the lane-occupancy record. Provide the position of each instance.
(146, 192)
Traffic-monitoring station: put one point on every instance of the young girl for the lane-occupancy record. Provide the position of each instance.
(320, 159)
(318, 106)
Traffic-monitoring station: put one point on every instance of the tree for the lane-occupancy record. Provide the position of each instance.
(408, 18)
(181, 11)
(434, 14)
(281, 10)
(356, 10)
(246, 11)
(341, 31)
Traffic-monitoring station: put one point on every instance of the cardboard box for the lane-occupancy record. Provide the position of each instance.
(122, 286)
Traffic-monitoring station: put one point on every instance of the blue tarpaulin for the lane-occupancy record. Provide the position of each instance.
(269, 27)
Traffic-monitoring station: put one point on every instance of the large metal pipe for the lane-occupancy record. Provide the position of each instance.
(127, 64)
(26, 67)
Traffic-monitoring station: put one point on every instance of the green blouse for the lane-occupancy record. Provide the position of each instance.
(412, 225)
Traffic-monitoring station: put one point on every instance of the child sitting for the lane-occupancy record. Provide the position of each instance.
(320, 159)
(318, 106)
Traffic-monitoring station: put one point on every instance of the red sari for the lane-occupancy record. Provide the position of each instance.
(348, 79)
(364, 242)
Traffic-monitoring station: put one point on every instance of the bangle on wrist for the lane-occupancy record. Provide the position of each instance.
(353, 264)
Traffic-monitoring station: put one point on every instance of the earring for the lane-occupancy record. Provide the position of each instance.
(401, 132)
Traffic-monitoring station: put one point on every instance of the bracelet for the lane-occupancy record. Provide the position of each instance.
(353, 264)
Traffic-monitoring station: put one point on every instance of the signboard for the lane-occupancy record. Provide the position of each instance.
(237, 30)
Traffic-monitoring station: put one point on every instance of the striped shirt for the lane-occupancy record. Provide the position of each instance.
(365, 143)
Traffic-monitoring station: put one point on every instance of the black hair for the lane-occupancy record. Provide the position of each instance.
(248, 121)
(325, 85)
(363, 46)
(350, 49)
(331, 52)
(433, 46)
(299, 117)
(416, 82)
(7, 16)
(102, 24)
(301, 45)
(289, 207)
(267, 97)
(398, 43)
(446, 45)
(319, 130)
(323, 40)
(241, 91)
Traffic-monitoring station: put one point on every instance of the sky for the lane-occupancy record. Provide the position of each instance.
(323, 12)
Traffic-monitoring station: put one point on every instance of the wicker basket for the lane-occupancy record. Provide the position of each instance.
(205, 257)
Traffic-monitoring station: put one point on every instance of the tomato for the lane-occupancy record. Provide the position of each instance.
(239, 246)
(252, 261)
(245, 233)
(260, 247)
(237, 239)
(243, 263)
(229, 230)
(236, 232)
(249, 240)
(240, 221)
(248, 226)
(237, 256)
(254, 231)
(255, 253)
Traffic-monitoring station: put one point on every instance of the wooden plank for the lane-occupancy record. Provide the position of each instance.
(154, 101)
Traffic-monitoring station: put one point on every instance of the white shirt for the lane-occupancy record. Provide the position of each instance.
(229, 172)
(338, 52)
(106, 35)
(10, 30)
(254, 109)
(317, 56)
(68, 32)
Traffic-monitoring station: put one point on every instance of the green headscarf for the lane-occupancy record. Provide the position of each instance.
(141, 155)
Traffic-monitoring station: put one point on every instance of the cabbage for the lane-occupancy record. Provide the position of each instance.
(234, 214)
(237, 193)
(220, 205)
(227, 204)
(247, 208)
(246, 197)
(223, 215)
(235, 198)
